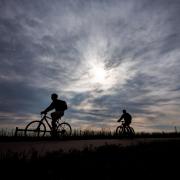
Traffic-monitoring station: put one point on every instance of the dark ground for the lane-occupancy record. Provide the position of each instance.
(158, 159)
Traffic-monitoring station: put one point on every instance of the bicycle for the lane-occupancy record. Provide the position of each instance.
(124, 130)
(38, 128)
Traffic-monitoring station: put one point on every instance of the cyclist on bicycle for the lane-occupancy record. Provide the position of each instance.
(59, 105)
(127, 118)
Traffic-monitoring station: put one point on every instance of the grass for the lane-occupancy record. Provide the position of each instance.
(9, 135)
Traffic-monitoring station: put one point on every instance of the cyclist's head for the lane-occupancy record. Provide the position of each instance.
(54, 96)
(124, 111)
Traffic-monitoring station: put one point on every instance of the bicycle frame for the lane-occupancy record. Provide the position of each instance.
(44, 118)
(123, 124)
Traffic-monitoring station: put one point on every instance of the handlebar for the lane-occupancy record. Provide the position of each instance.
(45, 115)
(121, 121)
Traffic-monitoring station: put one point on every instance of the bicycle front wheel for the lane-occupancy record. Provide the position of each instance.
(64, 129)
(131, 131)
(35, 129)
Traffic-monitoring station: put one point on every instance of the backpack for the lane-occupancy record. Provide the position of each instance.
(64, 105)
(128, 118)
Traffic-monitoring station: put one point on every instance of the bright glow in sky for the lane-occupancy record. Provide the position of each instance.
(98, 74)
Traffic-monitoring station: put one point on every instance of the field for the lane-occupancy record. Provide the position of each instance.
(91, 156)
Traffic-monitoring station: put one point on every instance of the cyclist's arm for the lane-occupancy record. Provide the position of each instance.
(49, 108)
(121, 118)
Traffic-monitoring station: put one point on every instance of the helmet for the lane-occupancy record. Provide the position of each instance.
(54, 96)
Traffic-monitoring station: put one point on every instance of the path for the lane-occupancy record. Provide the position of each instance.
(48, 146)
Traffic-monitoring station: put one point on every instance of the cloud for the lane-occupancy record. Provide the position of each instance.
(100, 56)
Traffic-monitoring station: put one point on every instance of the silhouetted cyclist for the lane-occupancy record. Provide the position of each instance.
(59, 105)
(127, 118)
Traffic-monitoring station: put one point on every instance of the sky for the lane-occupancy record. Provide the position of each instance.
(100, 56)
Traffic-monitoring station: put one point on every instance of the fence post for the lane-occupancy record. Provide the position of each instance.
(175, 129)
(16, 131)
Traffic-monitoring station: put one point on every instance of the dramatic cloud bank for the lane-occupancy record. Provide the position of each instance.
(100, 56)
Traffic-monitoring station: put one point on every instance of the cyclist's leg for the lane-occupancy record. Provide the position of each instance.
(55, 116)
(130, 130)
(127, 123)
(53, 122)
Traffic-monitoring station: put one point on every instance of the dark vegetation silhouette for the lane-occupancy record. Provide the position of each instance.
(145, 160)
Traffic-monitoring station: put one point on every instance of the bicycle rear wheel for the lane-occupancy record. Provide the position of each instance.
(64, 129)
(119, 130)
(35, 129)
